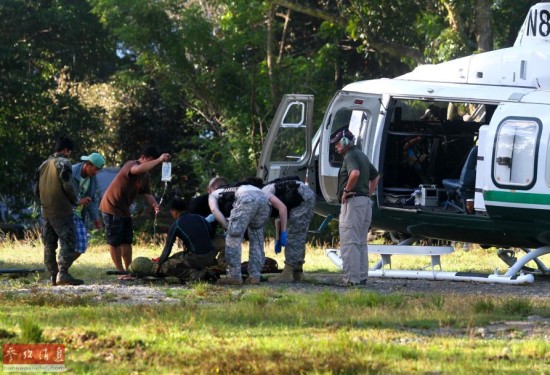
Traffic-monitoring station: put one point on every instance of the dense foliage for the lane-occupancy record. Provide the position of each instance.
(202, 78)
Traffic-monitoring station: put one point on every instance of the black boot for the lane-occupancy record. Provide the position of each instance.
(65, 278)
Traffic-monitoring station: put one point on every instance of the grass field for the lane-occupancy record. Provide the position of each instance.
(273, 329)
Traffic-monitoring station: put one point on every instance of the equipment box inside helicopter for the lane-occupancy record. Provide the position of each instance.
(428, 196)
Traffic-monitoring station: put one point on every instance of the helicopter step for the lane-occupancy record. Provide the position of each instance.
(388, 250)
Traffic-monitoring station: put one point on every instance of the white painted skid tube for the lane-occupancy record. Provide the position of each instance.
(334, 256)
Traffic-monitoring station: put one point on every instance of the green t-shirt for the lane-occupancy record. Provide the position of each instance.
(356, 159)
(84, 184)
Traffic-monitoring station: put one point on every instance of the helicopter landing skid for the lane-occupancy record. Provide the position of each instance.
(511, 277)
(517, 265)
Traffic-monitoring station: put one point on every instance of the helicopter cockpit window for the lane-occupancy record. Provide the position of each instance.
(291, 142)
(515, 156)
(356, 121)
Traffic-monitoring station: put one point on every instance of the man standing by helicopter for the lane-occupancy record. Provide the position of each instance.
(357, 180)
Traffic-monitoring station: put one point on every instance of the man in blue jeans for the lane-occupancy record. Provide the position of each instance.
(357, 180)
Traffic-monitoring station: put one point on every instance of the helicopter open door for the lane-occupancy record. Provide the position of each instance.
(287, 149)
(359, 113)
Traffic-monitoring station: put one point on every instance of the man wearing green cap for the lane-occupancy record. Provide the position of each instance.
(86, 187)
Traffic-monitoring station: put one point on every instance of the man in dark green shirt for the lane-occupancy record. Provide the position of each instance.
(357, 180)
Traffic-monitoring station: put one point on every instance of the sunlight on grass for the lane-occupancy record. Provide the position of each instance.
(262, 329)
(252, 333)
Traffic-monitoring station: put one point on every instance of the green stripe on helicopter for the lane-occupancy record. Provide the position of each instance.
(507, 198)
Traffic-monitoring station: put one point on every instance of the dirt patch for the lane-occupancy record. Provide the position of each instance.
(106, 293)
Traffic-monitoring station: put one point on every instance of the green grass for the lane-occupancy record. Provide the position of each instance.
(271, 329)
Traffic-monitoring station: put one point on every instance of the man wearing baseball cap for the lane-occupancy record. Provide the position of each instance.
(357, 180)
(86, 187)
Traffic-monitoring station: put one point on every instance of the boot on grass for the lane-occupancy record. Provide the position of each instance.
(297, 274)
(287, 276)
(65, 278)
(253, 280)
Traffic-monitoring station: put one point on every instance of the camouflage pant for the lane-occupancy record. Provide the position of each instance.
(250, 210)
(297, 228)
(187, 266)
(62, 230)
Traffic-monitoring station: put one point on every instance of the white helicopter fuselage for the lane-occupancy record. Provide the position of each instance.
(479, 170)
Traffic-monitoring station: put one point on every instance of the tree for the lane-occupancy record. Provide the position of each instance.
(40, 50)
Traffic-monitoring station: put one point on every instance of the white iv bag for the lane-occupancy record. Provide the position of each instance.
(166, 171)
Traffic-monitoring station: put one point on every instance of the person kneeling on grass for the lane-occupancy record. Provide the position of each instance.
(196, 234)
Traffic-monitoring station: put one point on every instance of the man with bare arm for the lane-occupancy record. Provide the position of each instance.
(133, 179)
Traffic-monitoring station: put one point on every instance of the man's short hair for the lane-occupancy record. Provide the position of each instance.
(178, 204)
(216, 182)
(255, 181)
(63, 143)
(151, 152)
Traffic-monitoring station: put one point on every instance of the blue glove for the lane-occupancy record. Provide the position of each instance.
(284, 238)
(277, 246)
(210, 218)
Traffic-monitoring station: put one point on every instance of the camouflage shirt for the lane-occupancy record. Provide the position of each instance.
(56, 190)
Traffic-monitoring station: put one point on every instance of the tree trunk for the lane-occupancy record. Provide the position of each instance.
(484, 26)
(273, 80)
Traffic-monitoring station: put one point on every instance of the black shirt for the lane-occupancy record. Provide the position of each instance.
(199, 206)
(195, 233)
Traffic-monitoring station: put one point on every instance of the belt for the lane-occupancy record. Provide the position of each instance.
(356, 195)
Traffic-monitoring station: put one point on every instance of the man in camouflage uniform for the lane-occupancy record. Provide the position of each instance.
(250, 210)
(299, 217)
(57, 197)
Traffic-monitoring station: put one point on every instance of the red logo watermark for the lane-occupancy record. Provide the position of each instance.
(33, 358)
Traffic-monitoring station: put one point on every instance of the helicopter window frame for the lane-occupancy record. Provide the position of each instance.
(290, 146)
(515, 153)
(357, 120)
(301, 111)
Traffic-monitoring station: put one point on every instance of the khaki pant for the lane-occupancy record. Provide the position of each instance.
(355, 219)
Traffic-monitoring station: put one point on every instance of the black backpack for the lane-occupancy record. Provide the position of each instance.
(287, 190)
(226, 200)
(227, 197)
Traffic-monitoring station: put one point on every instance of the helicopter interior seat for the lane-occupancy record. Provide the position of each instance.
(464, 187)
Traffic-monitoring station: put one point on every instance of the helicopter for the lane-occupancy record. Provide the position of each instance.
(462, 148)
